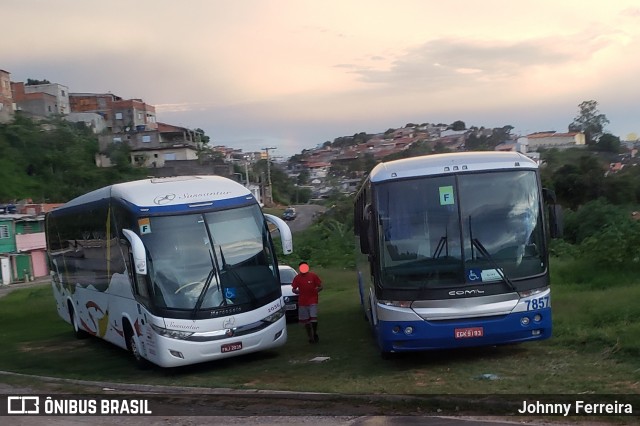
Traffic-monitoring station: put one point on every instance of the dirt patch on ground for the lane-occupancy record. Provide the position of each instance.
(52, 346)
(8, 288)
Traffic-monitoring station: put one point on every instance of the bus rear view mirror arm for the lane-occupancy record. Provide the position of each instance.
(138, 251)
(285, 232)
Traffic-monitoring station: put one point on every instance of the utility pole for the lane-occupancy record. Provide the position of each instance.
(246, 169)
(268, 192)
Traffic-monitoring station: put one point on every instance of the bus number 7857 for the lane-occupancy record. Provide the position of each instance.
(539, 303)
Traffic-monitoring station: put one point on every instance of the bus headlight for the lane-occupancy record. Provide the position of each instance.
(396, 303)
(528, 293)
(173, 334)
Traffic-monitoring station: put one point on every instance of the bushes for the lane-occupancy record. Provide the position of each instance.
(601, 234)
(327, 244)
(616, 244)
(589, 219)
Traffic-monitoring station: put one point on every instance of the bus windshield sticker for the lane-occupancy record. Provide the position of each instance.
(490, 275)
(474, 275)
(145, 226)
(446, 195)
(230, 293)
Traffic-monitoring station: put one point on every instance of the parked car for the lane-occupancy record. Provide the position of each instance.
(289, 213)
(287, 273)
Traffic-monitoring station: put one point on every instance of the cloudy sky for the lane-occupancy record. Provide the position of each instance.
(292, 74)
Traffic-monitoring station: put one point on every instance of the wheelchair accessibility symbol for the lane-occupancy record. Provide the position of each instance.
(474, 275)
(230, 293)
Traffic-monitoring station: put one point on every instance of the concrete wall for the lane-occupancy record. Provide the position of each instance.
(60, 92)
(6, 99)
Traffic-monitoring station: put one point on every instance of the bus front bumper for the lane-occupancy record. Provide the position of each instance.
(420, 335)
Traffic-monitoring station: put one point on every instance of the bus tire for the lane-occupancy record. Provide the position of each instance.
(132, 346)
(77, 331)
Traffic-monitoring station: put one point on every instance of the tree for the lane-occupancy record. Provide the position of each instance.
(303, 177)
(589, 121)
(608, 143)
(577, 184)
(203, 138)
(34, 82)
(458, 125)
(54, 163)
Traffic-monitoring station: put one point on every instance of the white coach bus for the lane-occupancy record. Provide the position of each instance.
(176, 270)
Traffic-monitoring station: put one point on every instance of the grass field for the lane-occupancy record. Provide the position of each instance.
(595, 348)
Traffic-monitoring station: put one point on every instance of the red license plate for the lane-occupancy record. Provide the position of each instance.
(469, 332)
(230, 347)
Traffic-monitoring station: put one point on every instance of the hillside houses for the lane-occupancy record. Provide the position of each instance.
(348, 161)
(22, 242)
(167, 149)
(555, 140)
(114, 119)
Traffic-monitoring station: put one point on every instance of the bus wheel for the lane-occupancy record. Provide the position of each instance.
(77, 331)
(132, 346)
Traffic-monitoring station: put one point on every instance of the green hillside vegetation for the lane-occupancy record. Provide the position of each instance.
(54, 161)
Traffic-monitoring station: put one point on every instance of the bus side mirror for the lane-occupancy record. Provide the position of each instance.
(366, 231)
(364, 236)
(555, 221)
(549, 196)
(285, 232)
(138, 251)
(555, 213)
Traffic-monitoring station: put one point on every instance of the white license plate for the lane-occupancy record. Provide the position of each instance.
(291, 306)
(230, 347)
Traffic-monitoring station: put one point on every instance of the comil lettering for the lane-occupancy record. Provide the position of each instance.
(465, 292)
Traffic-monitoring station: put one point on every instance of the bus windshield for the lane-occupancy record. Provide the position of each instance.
(210, 260)
(456, 229)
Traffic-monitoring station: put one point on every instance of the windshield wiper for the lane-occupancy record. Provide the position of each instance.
(205, 288)
(484, 252)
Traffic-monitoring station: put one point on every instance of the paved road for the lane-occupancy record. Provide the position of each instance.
(189, 406)
(306, 213)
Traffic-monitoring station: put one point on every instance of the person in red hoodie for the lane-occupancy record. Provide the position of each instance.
(307, 285)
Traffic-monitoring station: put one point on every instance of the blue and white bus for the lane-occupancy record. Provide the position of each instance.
(176, 270)
(452, 251)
